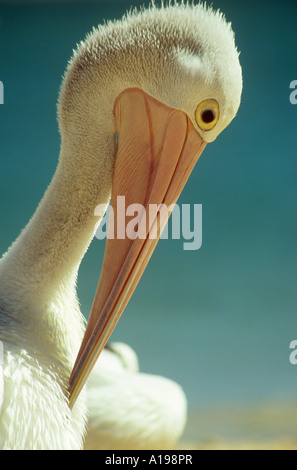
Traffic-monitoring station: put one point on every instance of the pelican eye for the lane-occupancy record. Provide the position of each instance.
(207, 114)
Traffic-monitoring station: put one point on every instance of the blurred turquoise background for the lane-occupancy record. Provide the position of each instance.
(219, 320)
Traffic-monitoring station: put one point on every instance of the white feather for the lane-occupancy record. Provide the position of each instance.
(131, 410)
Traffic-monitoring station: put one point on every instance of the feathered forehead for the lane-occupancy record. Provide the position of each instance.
(200, 37)
(187, 19)
(196, 30)
(175, 18)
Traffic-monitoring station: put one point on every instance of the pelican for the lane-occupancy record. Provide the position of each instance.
(140, 99)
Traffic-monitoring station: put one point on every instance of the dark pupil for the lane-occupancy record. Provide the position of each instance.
(208, 116)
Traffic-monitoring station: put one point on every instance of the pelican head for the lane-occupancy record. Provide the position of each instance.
(166, 82)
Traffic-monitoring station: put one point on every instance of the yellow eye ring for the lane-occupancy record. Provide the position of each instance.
(207, 114)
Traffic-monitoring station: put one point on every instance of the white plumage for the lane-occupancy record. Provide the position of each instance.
(180, 55)
(131, 410)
